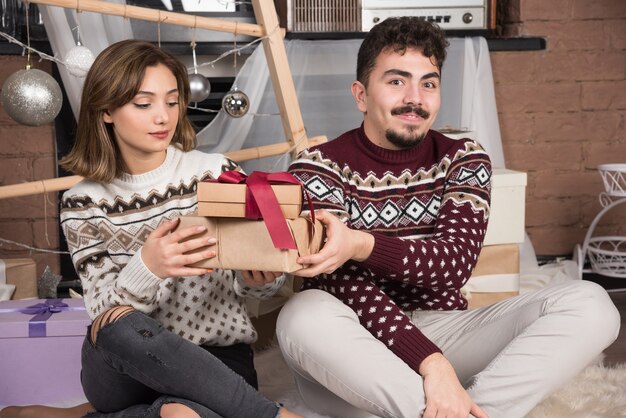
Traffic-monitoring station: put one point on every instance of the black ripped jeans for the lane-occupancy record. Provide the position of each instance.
(136, 366)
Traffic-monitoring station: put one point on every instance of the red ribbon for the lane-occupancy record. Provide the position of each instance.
(261, 202)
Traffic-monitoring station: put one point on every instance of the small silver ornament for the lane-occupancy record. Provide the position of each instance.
(78, 60)
(199, 86)
(31, 97)
(236, 103)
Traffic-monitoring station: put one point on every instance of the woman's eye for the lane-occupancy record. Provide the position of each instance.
(172, 104)
(142, 105)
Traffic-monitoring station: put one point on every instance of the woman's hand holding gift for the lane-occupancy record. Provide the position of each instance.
(164, 254)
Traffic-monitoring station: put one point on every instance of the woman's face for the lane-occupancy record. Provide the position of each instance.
(145, 126)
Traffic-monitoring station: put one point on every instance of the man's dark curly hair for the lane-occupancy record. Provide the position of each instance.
(398, 34)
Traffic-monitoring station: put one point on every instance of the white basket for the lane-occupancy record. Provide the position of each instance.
(614, 178)
(608, 256)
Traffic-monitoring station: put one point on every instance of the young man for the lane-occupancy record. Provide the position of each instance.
(381, 326)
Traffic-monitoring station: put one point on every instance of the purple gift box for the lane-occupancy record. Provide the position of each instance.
(40, 342)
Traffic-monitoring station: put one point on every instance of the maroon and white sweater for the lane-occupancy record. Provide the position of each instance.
(427, 208)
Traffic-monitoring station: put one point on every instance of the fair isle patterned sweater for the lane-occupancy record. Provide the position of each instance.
(427, 208)
(106, 225)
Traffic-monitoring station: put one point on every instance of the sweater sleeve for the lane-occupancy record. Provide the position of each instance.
(106, 283)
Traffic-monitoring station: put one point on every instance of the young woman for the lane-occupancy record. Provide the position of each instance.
(167, 340)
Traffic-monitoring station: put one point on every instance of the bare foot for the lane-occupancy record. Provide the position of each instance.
(285, 413)
(40, 411)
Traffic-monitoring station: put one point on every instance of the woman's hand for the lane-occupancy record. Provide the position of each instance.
(164, 254)
(342, 244)
(259, 278)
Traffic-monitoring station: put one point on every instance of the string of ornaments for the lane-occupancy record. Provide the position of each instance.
(33, 97)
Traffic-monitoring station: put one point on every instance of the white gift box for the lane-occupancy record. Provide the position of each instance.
(508, 200)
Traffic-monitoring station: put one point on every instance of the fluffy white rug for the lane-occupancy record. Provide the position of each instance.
(598, 392)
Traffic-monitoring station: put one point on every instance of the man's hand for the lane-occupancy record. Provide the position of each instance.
(342, 244)
(445, 397)
(259, 278)
(164, 254)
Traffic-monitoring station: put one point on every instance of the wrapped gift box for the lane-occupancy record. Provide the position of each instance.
(508, 199)
(40, 362)
(21, 273)
(229, 200)
(495, 277)
(244, 244)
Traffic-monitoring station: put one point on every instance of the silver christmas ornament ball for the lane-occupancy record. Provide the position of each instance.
(236, 103)
(78, 60)
(31, 97)
(199, 86)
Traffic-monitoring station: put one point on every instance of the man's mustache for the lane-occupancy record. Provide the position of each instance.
(410, 109)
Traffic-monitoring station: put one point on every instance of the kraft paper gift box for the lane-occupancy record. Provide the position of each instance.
(40, 361)
(244, 244)
(495, 277)
(220, 199)
(21, 273)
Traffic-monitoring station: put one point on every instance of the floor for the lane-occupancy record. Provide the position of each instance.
(616, 353)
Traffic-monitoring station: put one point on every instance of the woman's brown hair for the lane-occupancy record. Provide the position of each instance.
(114, 80)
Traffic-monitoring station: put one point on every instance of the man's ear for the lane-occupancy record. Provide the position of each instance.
(359, 94)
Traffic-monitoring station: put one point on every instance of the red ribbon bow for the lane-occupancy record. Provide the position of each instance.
(261, 202)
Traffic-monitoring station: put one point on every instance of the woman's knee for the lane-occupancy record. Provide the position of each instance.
(597, 308)
(177, 410)
(107, 317)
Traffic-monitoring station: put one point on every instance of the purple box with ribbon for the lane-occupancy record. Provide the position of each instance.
(40, 344)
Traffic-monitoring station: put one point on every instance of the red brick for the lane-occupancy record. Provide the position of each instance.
(21, 139)
(565, 36)
(24, 207)
(579, 126)
(551, 184)
(516, 128)
(556, 240)
(596, 153)
(46, 234)
(44, 167)
(533, 97)
(616, 31)
(598, 9)
(513, 67)
(603, 95)
(545, 10)
(16, 170)
(581, 66)
(19, 232)
(542, 156)
(552, 212)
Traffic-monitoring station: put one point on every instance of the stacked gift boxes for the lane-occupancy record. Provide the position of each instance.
(40, 342)
(256, 221)
(496, 275)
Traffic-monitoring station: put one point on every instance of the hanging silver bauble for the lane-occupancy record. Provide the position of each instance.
(78, 60)
(199, 86)
(236, 103)
(31, 97)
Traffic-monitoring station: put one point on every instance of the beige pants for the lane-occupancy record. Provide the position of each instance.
(509, 356)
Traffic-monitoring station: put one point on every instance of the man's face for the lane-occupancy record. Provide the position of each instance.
(401, 100)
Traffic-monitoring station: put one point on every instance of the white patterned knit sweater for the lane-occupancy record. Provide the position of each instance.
(106, 226)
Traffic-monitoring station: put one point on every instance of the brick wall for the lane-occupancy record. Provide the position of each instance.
(27, 154)
(562, 113)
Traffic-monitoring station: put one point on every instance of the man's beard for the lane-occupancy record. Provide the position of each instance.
(412, 138)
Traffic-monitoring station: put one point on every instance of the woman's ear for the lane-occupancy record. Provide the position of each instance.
(359, 94)
(106, 117)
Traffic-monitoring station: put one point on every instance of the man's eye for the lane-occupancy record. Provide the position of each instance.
(396, 82)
